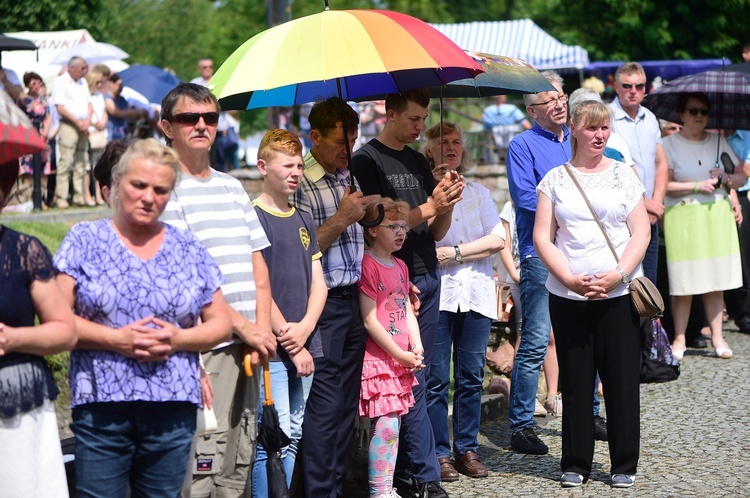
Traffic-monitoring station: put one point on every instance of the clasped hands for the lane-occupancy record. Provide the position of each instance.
(148, 339)
(593, 287)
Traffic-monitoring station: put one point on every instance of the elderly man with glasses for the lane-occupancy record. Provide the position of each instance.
(640, 129)
(216, 208)
(530, 156)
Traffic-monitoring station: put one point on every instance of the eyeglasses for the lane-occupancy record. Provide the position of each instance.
(638, 86)
(562, 100)
(702, 111)
(192, 118)
(207, 67)
(397, 228)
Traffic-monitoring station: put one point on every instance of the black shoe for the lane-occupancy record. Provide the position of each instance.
(600, 428)
(406, 485)
(433, 490)
(526, 441)
(699, 342)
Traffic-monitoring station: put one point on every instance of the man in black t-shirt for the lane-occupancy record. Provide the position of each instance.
(386, 165)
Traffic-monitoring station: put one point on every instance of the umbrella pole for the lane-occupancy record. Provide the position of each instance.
(267, 384)
(352, 186)
(442, 159)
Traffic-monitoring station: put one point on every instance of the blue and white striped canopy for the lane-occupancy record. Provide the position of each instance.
(521, 38)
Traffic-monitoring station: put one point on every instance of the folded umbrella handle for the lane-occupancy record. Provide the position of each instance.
(267, 384)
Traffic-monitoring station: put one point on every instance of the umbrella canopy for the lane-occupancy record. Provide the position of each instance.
(150, 81)
(91, 52)
(502, 76)
(8, 43)
(349, 53)
(18, 136)
(729, 93)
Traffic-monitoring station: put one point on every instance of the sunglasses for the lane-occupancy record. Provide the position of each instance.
(192, 118)
(629, 86)
(694, 112)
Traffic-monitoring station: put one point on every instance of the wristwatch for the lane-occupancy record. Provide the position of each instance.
(459, 258)
(625, 276)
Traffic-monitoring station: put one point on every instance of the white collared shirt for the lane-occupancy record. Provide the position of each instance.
(641, 135)
(470, 285)
(73, 95)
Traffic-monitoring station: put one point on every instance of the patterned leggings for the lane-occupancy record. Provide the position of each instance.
(383, 453)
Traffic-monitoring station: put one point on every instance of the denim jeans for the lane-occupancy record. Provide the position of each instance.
(416, 447)
(289, 396)
(466, 334)
(536, 327)
(145, 444)
(651, 258)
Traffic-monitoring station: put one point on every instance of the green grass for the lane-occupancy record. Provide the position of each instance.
(51, 234)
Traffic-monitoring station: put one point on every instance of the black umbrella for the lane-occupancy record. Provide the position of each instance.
(273, 439)
(9, 43)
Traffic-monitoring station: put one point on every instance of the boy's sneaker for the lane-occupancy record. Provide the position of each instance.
(526, 441)
(600, 428)
(622, 480)
(571, 480)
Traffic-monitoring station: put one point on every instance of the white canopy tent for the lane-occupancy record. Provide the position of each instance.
(50, 44)
(520, 38)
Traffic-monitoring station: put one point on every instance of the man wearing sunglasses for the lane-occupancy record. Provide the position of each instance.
(216, 208)
(640, 129)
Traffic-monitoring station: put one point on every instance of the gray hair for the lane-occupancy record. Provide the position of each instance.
(552, 77)
(581, 95)
(75, 60)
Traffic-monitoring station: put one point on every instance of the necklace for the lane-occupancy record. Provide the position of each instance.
(387, 264)
(703, 145)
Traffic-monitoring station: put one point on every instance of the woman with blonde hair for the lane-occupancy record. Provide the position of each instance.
(147, 299)
(595, 325)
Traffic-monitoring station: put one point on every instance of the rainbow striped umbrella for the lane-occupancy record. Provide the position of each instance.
(349, 53)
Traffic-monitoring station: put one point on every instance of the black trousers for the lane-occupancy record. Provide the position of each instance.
(334, 398)
(598, 336)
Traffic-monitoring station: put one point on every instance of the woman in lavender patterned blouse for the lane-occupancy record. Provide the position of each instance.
(138, 288)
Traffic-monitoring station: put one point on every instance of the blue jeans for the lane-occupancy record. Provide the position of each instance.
(289, 396)
(466, 334)
(536, 327)
(145, 444)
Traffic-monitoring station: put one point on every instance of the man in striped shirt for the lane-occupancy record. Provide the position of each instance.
(334, 395)
(216, 208)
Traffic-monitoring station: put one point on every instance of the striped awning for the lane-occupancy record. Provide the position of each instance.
(521, 38)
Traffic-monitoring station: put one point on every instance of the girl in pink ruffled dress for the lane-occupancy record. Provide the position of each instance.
(394, 348)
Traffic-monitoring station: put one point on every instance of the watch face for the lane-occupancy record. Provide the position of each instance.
(459, 257)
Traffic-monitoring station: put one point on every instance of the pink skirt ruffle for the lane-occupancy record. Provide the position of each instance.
(386, 388)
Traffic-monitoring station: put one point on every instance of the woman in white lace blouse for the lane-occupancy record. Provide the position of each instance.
(595, 325)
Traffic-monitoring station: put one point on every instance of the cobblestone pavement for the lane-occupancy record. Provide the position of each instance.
(695, 440)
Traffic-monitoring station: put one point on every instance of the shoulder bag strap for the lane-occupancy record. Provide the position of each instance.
(591, 208)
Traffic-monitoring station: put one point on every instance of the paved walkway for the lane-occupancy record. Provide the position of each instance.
(695, 440)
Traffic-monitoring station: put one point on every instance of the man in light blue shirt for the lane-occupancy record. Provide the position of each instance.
(640, 129)
(739, 141)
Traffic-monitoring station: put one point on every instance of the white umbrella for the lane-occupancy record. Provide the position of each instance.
(91, 52)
